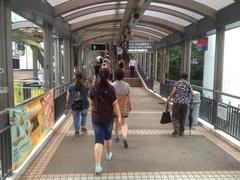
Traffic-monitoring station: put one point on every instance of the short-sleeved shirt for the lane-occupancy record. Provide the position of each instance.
(121, 88)
(183, 90)
(122, 91)
(79, 95)
(102, 107)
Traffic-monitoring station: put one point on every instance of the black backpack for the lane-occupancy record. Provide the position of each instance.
(77, 105)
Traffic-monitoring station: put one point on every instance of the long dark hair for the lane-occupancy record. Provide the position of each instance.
(103, 86)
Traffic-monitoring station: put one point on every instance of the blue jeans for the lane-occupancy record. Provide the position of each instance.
(79, 116)
(102, 131)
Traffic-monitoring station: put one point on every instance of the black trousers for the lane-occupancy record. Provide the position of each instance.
(132, 71)
(179, 116)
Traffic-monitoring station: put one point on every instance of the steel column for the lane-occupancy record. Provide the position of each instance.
(155, 64)
(162, 66)
(48, 55)
(166, 62)
(186, 57)
(35, 56)
(6, 62)
(66, 59)
(57, 62)
(219, 60)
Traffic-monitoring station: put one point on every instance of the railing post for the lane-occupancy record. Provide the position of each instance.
(48, 56)
(6, 63)
(186, 57)
(218, 67)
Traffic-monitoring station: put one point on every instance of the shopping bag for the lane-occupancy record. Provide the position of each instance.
(166, 117)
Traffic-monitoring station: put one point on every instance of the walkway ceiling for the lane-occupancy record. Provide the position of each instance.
(159, 21)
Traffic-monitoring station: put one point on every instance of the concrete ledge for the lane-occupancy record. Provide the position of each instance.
(37, 149)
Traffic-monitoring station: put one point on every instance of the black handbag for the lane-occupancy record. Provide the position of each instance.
(166, 117)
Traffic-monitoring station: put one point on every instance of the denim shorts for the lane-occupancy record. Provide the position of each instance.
(103, 131)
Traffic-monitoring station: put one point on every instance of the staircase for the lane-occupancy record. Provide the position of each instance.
(133, 82)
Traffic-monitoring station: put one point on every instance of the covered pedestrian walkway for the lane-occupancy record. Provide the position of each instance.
(152, 152)
(45, 43)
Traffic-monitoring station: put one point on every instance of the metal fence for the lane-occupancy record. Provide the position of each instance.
(5, 128)
(5, 145)
(147, 79)
(22, 94)
(228, 121)
(60, 101)
(221, 115)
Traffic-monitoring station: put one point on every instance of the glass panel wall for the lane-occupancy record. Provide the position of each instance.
(231, 73)
(208, 71)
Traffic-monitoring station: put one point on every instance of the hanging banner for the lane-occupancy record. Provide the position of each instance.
(30, 123)
(202, 44)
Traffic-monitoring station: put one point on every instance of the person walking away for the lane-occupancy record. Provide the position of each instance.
(103, 100)
(123, 95)
(181, 93)
(132, 65)
(77, 101)
(121, 64)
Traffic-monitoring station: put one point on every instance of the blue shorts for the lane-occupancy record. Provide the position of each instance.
(102, 131)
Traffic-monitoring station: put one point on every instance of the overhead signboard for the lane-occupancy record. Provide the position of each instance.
(98, 47)
(139, 46)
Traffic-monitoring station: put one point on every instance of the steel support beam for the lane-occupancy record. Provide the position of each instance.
(162, 65)
(35, 60)
(166, 62)
(40, 13)
(95, 21)
(76, 4)
(186, 57)
(173, 13)
(191, 6)
(155, 59)
(48, 55)
(6, 62)
(224, 17)
(218, 67)
(94, 10)
(57, 59)
(67, 60)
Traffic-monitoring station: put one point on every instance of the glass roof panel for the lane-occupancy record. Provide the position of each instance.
(147, 33)
(217, 5)
(167, 17)
(151, 29)
(89, 7)
(97, 14)
(184, 11)
(56, 2)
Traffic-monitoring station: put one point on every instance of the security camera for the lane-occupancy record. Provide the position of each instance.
(136, 15)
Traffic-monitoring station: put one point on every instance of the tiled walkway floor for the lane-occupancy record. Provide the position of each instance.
(139, 127)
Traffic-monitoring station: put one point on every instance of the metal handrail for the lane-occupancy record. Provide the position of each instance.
(211, 90)
(4, 129)
(5, 111)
